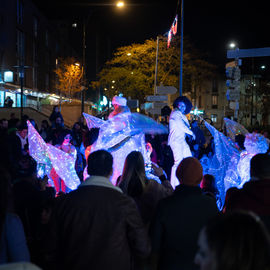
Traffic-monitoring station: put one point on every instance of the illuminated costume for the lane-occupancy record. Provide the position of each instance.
(51, 157)
(179, 127)
(229, 165)
(122, 134)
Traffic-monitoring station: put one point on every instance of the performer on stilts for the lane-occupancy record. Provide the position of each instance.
(178, 129)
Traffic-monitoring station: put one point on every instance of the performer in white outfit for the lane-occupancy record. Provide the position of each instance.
(179, 127)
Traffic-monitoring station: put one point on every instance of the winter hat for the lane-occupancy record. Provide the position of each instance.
(189, 172)
(121, 101)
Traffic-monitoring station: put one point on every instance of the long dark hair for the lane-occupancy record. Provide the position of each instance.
(132, 181)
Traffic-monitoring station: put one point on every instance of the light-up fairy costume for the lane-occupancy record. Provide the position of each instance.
(229, 165)
(52, 157)
(122, 134)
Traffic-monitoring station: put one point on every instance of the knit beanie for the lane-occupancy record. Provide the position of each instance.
(189, 172)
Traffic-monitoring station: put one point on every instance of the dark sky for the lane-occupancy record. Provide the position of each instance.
(209, 25)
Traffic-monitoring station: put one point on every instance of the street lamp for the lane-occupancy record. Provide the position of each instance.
(120, 4)
(232, 45)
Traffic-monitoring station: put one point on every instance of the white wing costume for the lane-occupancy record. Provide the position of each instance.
(52, 157)
(123, 134)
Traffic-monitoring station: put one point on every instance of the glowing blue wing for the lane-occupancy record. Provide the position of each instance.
(92, 121)
(233, 128)
(224, 160)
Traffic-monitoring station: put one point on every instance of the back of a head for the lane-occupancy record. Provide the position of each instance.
(184, 100)
(208, 183)
(133, 176)
(189, 172)
(100, 163)
(260, 166)
(239, 241)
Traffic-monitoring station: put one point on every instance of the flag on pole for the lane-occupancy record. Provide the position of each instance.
(172, 31)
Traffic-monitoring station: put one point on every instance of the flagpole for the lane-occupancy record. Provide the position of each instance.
(181, 49)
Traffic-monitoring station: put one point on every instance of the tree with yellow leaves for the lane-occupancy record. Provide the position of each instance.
(69, 77)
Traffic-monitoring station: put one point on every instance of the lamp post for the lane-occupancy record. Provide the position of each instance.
(120, 5)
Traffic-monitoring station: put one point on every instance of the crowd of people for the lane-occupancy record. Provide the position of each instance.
(168, 219)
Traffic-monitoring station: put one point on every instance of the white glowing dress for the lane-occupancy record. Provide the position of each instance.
(123, 134)
(52, 157)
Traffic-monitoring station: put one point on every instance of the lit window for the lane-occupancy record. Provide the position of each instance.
(214, 101)
(214, 118)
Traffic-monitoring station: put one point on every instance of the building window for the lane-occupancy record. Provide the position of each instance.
(214, 101)
(214, 86)
(35, 27)
(214, 118)
(19, 12)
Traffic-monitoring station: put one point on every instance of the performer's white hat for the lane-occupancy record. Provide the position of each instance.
(121, 101)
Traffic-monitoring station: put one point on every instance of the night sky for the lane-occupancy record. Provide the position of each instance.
(209, 25)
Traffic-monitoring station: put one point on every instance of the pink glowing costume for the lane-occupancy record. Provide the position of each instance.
(123, 134)
(52, 157)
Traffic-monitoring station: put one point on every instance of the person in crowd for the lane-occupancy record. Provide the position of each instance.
(179, 219)
(238, 240)
(254, 195)
(57, 129)
(54, 115)
(13, 246)
(8, 102)
(208, 186)
(30, 194)
(44, 130)
(66, 145)
(179, 127)
(17, 147)
(107, 230)
(145, 192)
(197, 145)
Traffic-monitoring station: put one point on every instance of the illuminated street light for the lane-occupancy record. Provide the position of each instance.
(120, 4)
(113, 81)
(263, 67)
(232, 45)
(128, 54)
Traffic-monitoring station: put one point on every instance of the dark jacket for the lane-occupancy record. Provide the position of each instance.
(254, 196)
(96, 227)
(177, 224)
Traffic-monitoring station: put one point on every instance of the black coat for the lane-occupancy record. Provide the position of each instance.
(96, 228)
(176, 226)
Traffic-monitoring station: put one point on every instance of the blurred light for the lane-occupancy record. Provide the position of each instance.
(74, 25)
(113, 81)
(138, 109)
(131, 72)
(263, 67)
(112, 87)
(129, 54)
(120, 4)
(77, 64)
(232, 45)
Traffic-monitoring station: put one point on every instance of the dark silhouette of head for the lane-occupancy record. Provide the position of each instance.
(260, 166)
(189, 172)
(100, 163)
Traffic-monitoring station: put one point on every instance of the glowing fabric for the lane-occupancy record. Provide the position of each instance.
(225, 153)
(123, 134)
(63, 163)
(230, 166)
